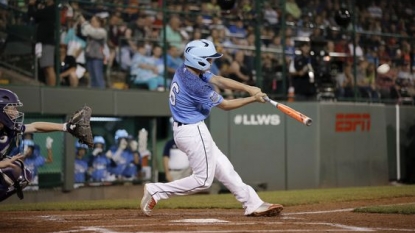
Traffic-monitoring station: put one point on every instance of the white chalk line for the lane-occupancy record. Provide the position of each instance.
(320, 212)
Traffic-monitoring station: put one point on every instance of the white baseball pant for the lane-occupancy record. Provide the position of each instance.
(207, 162)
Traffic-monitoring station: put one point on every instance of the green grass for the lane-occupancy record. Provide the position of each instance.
(393, 209)
(227, 201)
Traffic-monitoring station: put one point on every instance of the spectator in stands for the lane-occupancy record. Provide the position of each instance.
(213, 7)
(200, 24)
(174, 60)
(345, 82)
(44, 16)
(359, 50)
(276, 44)
(405, 81)
(114, 35)
(217, 23)
(239, 71)
(126, 46)
(81, 163)
(131, 12)
(382, 54)
(289, 44)
(270, 15)
(144, 69)
(237, 28)
(366, 80)
(174, 35)
(68, 65)
(76, 48)
(196, 34)
(94, 52)
(271, 73)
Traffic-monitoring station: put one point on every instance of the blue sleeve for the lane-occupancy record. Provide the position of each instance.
(15, 151)
(40, 160)
(209, 97)
(207, 76)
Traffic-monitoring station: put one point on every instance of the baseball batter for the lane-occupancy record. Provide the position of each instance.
(192, 96)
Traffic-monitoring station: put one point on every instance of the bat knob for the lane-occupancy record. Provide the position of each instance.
(308, 122)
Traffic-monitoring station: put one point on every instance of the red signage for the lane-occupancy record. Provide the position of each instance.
(352, 122)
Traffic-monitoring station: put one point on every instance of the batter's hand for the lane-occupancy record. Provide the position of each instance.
(253, 90)
(259, 97)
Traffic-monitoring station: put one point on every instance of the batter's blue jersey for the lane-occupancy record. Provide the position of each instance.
(192, 97)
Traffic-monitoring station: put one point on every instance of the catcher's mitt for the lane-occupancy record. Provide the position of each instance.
(79, 126)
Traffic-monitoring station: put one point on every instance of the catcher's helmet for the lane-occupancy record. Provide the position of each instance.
(9, 116)
(121, 133)
(197, 52)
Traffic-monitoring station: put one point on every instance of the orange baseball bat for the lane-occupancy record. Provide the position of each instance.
(290, 112)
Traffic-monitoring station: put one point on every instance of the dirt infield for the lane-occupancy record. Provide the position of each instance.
(337, 217)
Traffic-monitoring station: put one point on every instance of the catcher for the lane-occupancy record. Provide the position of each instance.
(14, 177)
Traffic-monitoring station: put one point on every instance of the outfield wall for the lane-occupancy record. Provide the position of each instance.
(348, 144)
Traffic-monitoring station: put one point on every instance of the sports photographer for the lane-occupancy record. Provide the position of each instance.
(302, 74)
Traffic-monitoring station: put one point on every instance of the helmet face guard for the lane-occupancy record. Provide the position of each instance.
(16, 117)
(10, 117)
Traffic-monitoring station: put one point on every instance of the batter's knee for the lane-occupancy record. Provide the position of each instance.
(204, 182)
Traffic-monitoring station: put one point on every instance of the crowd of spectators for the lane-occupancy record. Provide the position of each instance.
(133, 43)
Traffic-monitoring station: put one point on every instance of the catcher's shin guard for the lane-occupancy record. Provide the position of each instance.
(14, 180)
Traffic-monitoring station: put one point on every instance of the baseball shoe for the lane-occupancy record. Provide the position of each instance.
(147, 203)
(267, 209)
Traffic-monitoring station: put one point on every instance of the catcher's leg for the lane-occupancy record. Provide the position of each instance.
(14, 180)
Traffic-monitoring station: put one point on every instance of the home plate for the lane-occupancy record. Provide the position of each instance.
(203, 220)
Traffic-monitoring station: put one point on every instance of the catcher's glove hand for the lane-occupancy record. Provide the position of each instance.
(79, 126)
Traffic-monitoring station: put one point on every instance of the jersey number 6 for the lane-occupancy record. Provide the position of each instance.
(173, 91)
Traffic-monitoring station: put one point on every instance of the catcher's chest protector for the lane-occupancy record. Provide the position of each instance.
(14, 180)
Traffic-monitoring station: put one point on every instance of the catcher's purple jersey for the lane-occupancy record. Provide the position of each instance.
(7, 136)
(192, 97)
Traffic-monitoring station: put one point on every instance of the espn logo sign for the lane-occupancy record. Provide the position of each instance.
(352, 122)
